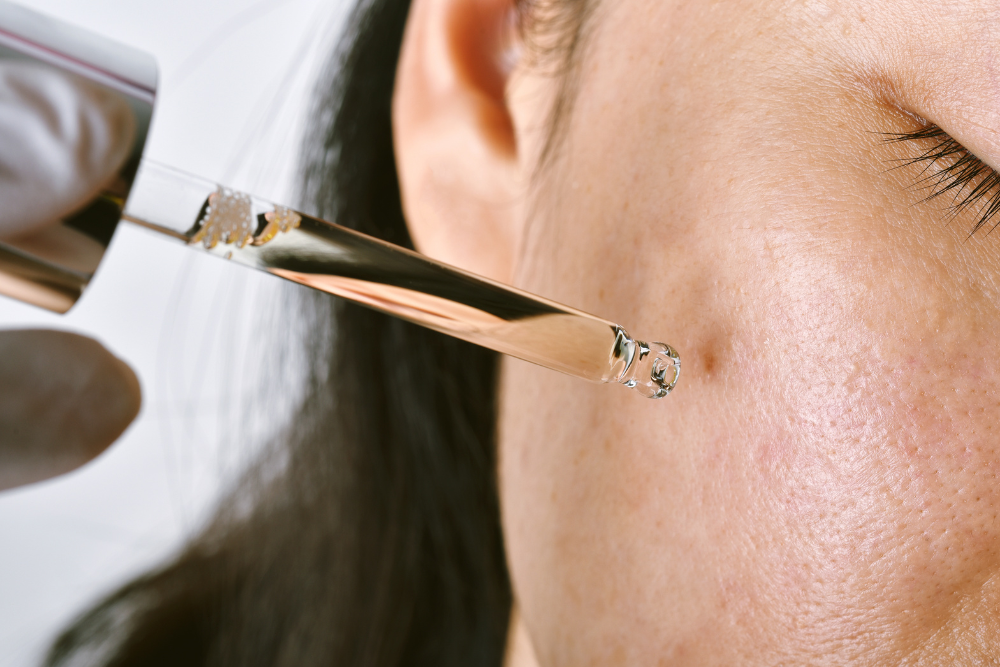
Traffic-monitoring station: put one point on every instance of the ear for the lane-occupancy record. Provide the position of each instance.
(454, 137)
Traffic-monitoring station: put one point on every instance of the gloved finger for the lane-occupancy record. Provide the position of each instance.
(63, 400)
(62, 139)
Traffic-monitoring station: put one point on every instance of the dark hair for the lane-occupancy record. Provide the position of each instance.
(377, 541)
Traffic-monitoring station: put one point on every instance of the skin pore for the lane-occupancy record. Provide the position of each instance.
(822, 487)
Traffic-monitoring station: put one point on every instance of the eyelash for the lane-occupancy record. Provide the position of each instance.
(948, 167)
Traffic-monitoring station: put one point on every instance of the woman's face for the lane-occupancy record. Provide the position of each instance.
(822, 486)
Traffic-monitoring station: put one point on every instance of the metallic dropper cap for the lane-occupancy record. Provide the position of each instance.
(49, 265)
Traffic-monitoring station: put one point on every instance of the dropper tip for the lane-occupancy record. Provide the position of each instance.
(652, 369)
(657, 369)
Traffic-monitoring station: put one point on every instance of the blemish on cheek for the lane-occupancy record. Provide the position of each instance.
(709, 362)
(709, 356)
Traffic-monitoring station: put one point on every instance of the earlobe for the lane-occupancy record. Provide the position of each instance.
(455, 141)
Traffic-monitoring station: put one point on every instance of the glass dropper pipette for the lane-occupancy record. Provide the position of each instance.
(331, 258)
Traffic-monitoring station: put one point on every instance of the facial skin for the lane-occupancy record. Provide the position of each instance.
(822, 486)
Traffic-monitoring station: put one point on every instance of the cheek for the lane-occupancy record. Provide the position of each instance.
(887, 398)
(824, 475)
(586, 507)
(860, 394)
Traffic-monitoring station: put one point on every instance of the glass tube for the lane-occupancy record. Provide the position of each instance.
(402, 283)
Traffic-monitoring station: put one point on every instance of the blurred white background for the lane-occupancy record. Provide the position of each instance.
(236, 80)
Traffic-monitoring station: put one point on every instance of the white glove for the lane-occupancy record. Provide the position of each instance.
(62, 139)
(63, 398)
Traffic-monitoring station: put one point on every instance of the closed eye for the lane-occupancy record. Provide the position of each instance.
(950, 171)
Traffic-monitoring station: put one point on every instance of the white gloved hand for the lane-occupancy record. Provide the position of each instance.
(63, 397)
(62, 139)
